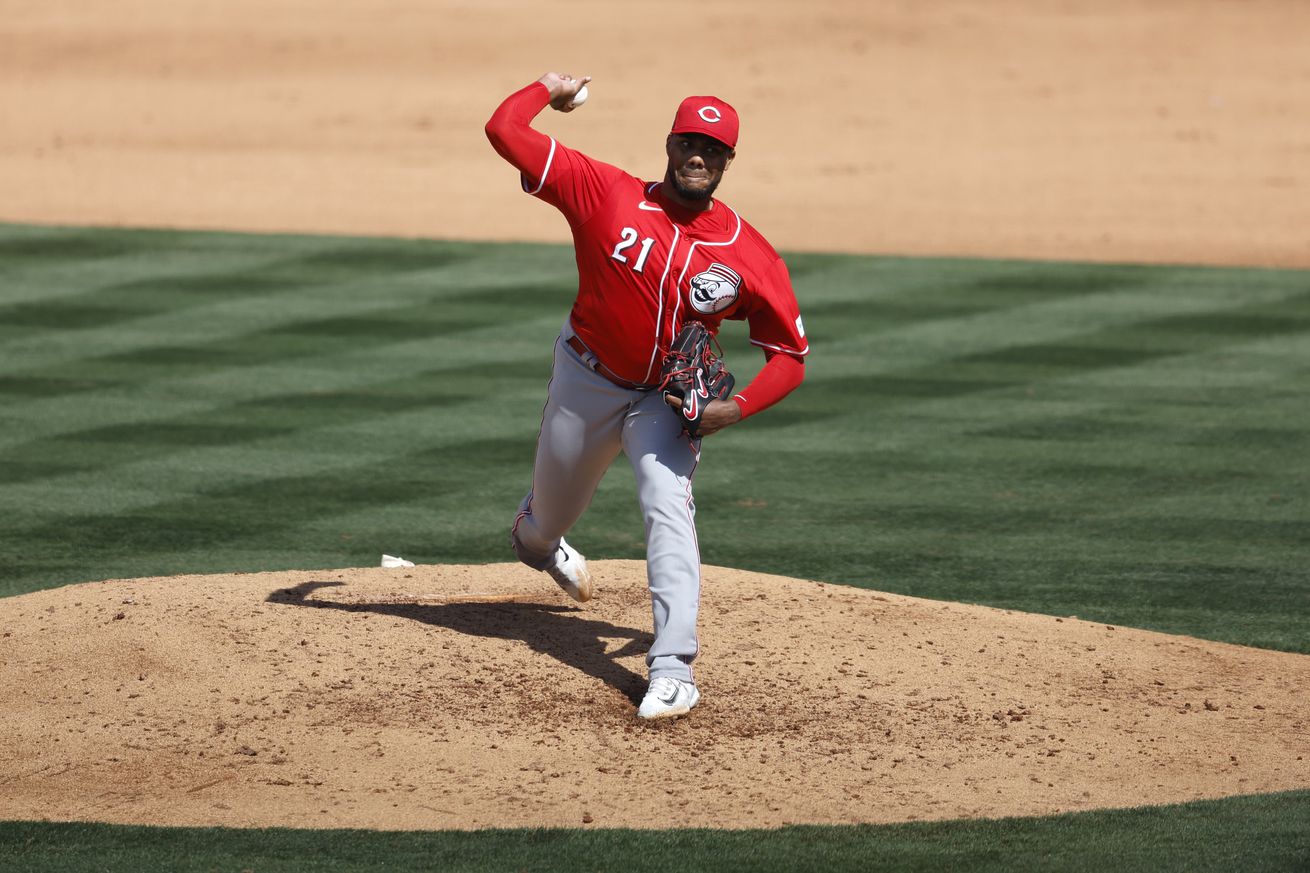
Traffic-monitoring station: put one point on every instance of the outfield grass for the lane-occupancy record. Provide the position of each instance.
(1246, 834)
(1122, 443)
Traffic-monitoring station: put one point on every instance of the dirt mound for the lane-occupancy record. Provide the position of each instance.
(475, 696)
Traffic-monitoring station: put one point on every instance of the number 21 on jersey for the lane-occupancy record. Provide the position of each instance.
(628, 239)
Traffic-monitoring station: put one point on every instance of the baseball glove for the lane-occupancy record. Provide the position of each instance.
(693, 373)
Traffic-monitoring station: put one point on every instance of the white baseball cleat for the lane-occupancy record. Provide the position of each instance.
(668, 697)
(570, 571)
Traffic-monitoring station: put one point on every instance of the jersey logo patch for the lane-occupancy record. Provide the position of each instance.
(715, 289)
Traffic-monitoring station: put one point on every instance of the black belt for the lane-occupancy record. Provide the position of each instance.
(581, 348)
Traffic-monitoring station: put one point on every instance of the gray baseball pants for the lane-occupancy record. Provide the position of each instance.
(588, 420)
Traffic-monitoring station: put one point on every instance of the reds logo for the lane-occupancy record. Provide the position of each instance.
(715, 289)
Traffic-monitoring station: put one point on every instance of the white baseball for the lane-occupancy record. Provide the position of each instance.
(579, 98)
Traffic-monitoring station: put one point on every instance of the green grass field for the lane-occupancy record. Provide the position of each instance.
(1122, 443)
(1241, 834)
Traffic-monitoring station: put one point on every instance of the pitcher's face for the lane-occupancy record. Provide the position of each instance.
(696, 164)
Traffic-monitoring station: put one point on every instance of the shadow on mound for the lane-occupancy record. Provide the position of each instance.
(556, 631)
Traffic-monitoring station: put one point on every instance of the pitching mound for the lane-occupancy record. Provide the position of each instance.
(477, 696)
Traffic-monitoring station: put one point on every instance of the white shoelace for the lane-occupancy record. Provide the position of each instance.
(664, 687)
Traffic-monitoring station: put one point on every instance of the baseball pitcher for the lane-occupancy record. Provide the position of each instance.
(660, 265)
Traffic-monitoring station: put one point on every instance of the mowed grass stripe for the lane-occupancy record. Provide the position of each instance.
(330, 447)
(154, 380)
(330, 290)
(221, 499)
(286, 419)
(335, 336)
(1098, 509)
(1267, 834)
(1110, 441)
(1112, 472)
(1119, 472)
(310, 329)
(984, 319)
(177, 392)
(255, 509)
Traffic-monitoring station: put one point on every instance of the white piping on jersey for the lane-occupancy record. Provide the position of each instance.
(659, 315)
(677, 294)
(802, 352)
(687, 264)
(668, 261)
(549, 159)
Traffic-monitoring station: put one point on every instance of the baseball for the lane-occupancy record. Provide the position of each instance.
(579, 98)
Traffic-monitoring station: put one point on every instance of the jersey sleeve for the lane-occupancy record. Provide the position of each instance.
(566, 179)
(775, 317)
(775, 326)
(780, 375)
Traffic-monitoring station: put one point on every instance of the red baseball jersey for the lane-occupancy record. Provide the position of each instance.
(646, 264)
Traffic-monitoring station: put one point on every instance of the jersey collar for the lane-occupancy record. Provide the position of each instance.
(705, 223)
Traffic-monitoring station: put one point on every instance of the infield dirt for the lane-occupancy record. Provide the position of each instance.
(1118, 130)
(479, 696)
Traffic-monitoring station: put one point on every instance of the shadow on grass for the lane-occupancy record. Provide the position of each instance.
(557, 631)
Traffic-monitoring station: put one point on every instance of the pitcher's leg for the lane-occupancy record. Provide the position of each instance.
(580, 436)
(664, 460)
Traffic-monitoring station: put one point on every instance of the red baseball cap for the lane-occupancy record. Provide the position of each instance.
(708, 115)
